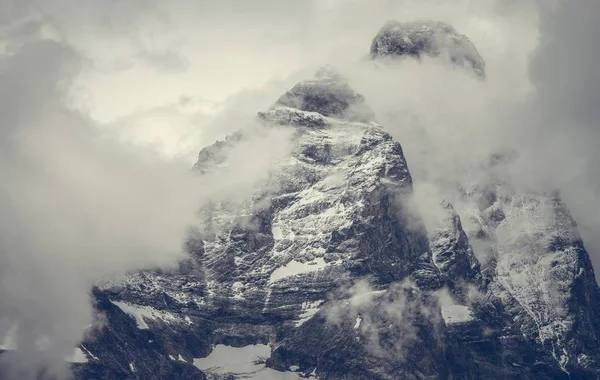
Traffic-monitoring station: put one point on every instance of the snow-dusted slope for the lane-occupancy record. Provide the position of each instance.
(542, 273)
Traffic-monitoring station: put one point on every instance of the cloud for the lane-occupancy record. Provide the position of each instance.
(230, 46)
(78, 206)
(565, 113)
(538, 101)
(448, 122)
(175, 130)
(392, 321)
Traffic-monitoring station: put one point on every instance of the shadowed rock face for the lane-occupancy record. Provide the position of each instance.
(333, 271)
(430, 38)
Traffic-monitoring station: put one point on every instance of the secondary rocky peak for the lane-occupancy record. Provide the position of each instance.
(430, 38)
(329, 95)
(451, 251)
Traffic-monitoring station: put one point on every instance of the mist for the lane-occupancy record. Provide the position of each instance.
(537, 104)
(566, 118)
(105, 107)
(79, 206)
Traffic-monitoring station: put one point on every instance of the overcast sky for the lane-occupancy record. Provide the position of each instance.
(182, 59)
(103, 103)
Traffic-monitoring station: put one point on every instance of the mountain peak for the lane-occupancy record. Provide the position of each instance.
(430, 38)
(328, 94)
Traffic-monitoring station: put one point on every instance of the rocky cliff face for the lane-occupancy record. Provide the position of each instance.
(328, 272)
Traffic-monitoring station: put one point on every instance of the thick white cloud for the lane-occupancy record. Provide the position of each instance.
(78, 205)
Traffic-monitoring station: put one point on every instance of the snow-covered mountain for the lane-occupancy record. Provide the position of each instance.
(329, 272)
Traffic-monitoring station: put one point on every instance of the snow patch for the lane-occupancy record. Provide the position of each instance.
(78, 356)
(457, 314)
(294, 268)
(178, 358)
(89, 353)
(238, 289)
(143, 313)
(277, 234)
(309, 309)
(242, 362)
(358, 322)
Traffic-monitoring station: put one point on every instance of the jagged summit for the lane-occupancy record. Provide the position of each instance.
(431, 38)
(312, 103)
(329, 95)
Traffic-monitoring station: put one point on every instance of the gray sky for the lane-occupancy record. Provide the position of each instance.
(564, 127)
(104, 105)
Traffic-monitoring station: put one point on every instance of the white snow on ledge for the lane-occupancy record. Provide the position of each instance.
(309, 309)
(294, 268)
(242, 362)
(143, 313)
(358, 322)
(457, 314)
